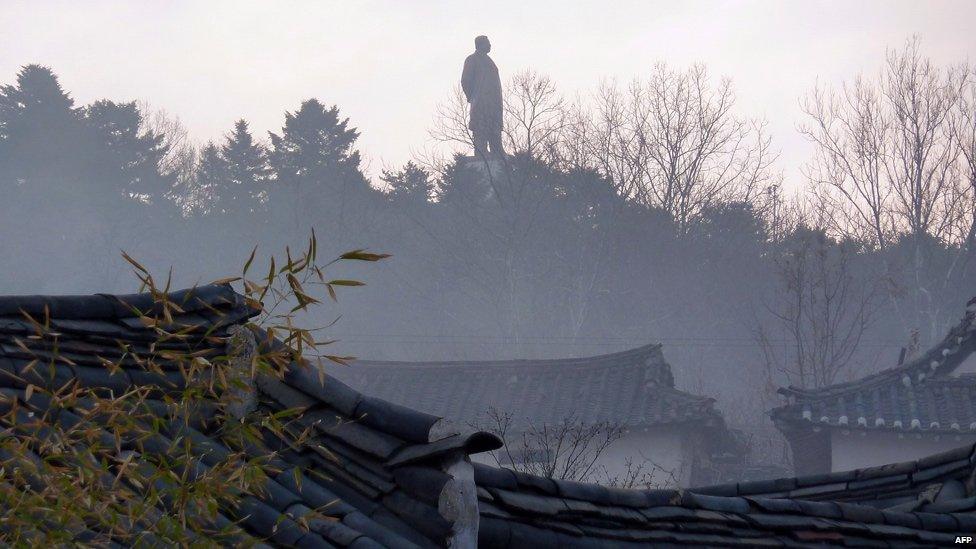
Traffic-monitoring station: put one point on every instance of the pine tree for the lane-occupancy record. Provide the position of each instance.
(246, 172)
(40, 130)
(316, 147)
(410, 185)
(318, 181)
(211, 177)
(126, 159)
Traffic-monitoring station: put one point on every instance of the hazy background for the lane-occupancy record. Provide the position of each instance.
(388, 64)
(121, 129)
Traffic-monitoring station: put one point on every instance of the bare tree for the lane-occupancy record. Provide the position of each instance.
(535, 114)
(180, 160)
(450, 125)
(672, 141)
(886, 160)
(849, 134)
(637, 474)
(964, 132)
(570, 450)
(176, 138)
(591, 138)
(820, 313)
(890, 167)
(923, 155)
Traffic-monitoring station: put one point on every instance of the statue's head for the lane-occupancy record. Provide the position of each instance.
(481, 44)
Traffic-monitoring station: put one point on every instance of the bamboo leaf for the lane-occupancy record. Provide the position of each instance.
(250, 260)
(344, 282)
(363, 255)
(343, 360)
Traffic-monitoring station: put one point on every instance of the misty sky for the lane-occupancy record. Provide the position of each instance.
(387, 64)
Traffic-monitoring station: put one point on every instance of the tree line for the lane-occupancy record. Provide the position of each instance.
(651, 211)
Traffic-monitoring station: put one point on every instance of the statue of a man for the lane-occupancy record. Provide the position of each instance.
(483, 89)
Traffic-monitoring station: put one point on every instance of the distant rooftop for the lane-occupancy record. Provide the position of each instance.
(633, 388)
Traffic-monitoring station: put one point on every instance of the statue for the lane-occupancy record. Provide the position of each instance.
(483, 90)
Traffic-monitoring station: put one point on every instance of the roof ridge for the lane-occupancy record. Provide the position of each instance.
(101, 306)
(635, 387)
(588, 360)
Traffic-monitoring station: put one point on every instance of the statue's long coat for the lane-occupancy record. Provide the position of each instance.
(483, 88)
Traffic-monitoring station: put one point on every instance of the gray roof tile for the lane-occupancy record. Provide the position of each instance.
(634, 388)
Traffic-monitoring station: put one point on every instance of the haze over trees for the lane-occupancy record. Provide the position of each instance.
(652, 211)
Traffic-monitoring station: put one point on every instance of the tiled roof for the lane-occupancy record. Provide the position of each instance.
(378, 473)
(633, 388)
(895, 485)
(920, 395)
(854, 508)
(371, 468)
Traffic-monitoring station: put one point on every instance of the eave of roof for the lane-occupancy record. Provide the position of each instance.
(940, 359)
(115, 307)
(917, 396)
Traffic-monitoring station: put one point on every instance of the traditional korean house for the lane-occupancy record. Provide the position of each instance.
(924, 406)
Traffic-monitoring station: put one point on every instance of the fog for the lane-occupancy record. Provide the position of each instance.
(769, 248)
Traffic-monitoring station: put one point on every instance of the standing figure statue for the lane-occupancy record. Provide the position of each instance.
(483, 89)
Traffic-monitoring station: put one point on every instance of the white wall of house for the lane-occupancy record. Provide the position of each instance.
(858, 449)
(663, 451)
(968, 366)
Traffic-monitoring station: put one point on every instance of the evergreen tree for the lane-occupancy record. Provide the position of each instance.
(410, 185)
(211, 177)
(126, 160)
(318, 182)
(246, 172)
(40, 137)
(316, 147)
(461, 182)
